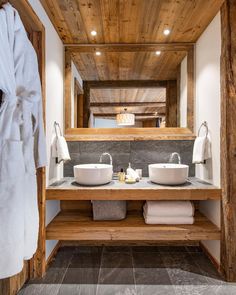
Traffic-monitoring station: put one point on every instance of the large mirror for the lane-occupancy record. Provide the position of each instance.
(146, 89)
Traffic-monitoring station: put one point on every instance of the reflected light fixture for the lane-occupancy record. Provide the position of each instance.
(93, 33)
(158, 52)
(166, 32)
(98, 53)
(125, 118)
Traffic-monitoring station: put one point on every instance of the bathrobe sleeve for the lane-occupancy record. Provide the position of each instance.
(28, 82)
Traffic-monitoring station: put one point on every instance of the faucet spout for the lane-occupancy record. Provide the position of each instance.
(175, 155)
(105, 154)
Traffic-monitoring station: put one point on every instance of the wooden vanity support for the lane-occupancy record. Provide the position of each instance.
(75, 221)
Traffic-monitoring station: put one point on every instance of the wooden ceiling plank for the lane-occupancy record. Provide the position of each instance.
(54, 13)
(135, 21)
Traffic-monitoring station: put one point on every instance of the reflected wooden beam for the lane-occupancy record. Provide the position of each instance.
(117, 84)
(127, 104)
(124, 47)
(136, 114)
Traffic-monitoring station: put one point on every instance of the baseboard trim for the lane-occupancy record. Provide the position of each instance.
(53, 253)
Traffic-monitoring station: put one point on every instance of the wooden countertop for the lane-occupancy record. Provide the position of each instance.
(194, 189)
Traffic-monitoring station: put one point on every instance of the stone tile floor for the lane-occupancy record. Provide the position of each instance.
(130, 271)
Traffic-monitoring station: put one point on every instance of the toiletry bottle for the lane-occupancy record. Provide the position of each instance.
(128, 171)
(121, 175)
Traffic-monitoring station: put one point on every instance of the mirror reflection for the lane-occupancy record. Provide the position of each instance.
(156, 96)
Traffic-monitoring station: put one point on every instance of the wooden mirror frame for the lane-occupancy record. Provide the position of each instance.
(118, 134)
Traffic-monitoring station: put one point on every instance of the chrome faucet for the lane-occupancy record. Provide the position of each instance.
(106, 154)
(172, 157)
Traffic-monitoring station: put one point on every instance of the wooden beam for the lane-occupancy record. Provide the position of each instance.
(228, 139)
(117, 84)
(171, 104)
(121, 47)
(67, 85)
(86, 104)
(136, 114)
(127, 104)
(190, 89)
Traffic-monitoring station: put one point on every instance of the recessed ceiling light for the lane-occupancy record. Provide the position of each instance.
(98, 53)
(93, 33)
(158, 52)
(166, 32)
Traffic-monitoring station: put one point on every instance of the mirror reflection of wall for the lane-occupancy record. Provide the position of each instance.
(129, 107)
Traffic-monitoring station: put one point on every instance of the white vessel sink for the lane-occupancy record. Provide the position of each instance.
(169, 174)
(93, 174)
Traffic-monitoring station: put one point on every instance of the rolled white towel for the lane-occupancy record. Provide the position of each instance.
(168, 220)
(201, 149)
(169, 208)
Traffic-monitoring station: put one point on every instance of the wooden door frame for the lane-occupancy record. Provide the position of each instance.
(36, 266)
(228, 140)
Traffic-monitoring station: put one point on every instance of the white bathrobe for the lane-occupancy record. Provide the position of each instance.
(22, 144)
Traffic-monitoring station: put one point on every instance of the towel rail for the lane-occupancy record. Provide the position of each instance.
(204, 124)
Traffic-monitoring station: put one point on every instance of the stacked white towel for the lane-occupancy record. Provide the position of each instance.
(168, 212)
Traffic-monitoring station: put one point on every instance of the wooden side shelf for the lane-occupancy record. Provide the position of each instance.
(76, 225)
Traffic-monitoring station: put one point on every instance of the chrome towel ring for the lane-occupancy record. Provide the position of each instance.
(204, 124)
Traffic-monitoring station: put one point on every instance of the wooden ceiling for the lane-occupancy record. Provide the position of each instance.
(128, 65)
(132, 21)
(136, 100)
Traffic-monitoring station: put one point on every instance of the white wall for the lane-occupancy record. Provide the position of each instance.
(74, 75)
(208, 50)
(183, 102)
(54, 104)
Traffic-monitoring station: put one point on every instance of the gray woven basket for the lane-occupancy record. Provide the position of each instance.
(109, 210)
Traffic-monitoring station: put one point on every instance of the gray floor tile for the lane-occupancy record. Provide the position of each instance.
(89, 249)
(116, 290)
(145, 249)
(226, 290)
(196, 290)
(76, 289)
(155, 290)
(182, 270)
(117, 249)
(40, 289)
(86, 260)
(116, 268)
(54, 275)
(207, 268)
(80, 276)
(147, 260)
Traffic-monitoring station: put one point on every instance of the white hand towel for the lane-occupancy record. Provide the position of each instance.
(60, 149)
(201, 149)
(169, 208)
(169, 220)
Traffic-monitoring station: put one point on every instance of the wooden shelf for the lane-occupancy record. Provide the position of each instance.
(76, 225)
(195, 189)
